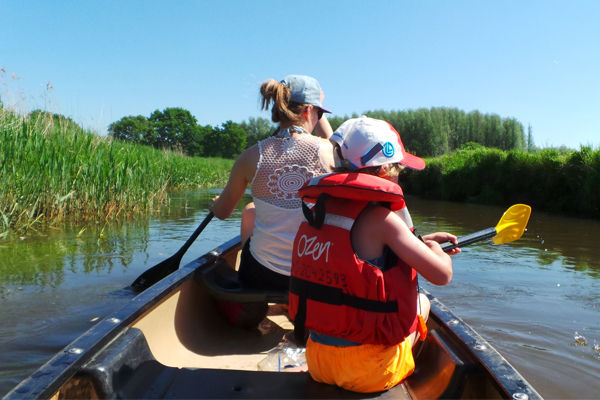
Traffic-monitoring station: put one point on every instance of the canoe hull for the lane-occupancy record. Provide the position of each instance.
(171, 342)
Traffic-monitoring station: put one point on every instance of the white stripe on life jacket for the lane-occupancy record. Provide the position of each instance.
(346, 223)
(405, 215)
(339, 221)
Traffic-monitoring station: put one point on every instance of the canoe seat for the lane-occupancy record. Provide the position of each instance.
(222, 282)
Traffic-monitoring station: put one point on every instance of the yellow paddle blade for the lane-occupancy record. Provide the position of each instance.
(512, 224)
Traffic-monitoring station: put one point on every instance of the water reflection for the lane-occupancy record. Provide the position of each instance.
(44, 260)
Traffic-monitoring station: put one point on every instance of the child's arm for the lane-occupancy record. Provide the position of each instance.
(443, 237)
(427, 257)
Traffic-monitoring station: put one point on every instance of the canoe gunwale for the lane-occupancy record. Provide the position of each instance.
(49, 378)
(506, 377)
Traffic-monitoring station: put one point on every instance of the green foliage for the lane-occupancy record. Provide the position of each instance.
(257, 129)
(51, 173)
(228, 141)
(425, 132)
(174, 128)
(56, 121)
(433, 132)
(132, 129)
(177, 129)
(553, 180)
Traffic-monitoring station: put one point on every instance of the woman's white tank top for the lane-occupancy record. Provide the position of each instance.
(285, 165)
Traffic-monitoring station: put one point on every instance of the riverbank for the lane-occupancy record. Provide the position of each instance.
(560, 182)
(52, 171)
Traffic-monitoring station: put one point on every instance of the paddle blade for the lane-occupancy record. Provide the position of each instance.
(170, 265)
(512, 224)
(156, 273)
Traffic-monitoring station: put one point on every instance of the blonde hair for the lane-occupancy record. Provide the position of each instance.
(283, 111)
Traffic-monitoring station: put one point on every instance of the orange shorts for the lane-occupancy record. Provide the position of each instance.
(365, 368)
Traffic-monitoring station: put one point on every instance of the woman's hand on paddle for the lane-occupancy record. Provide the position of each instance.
(212, 202)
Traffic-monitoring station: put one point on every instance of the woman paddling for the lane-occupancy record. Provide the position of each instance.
(275, 168)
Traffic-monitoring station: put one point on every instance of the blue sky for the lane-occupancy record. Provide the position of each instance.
(98, 61)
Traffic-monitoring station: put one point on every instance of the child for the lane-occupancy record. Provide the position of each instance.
(355, 262)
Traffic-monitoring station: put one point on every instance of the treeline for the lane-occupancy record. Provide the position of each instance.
(426, 132)
(436, 131)
(177, 129)
(564, 182)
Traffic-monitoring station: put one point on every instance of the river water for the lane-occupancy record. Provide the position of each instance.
(536, 300)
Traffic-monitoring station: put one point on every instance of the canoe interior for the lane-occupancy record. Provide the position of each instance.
(171, 342)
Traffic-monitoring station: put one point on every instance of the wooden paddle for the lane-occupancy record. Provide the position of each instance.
(510, 228)
(164, 268)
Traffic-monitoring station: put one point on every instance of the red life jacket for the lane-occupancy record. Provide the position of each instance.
(332, 291)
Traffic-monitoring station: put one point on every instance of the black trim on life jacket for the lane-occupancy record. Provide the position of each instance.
(390, 259)
(330, 295)
(316, 215)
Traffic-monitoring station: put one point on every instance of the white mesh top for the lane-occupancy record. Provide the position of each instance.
(285, 165)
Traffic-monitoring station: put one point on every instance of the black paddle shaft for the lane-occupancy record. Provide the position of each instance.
(164, 268)
(470, 239)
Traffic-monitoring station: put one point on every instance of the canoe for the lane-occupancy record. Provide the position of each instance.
(171, 342)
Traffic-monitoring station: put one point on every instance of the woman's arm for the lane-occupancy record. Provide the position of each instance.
(241, 175)
(323, 128)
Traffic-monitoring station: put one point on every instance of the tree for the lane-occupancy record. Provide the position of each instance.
(530, 144)
(513, 134)
(493, 132)
(132, 129)
(196, 146)
(228, 141)
(257, 129)
(174, 127)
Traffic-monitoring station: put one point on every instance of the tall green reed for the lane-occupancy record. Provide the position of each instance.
(564, 182)
(53, 171)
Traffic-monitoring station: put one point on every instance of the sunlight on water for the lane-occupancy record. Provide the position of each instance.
(537, 300)
(579, 340)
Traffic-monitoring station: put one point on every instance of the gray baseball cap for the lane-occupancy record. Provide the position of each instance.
(304, 90)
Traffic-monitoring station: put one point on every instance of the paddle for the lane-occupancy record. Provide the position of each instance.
(164, 268)
(510, 228)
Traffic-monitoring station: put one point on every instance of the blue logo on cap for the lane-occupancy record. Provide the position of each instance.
(388, 150)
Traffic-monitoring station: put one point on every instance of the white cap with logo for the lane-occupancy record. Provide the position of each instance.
(368, 142)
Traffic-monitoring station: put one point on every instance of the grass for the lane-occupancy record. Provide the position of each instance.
(52, 171)
(564, 182)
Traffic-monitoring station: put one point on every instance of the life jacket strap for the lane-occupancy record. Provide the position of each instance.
(336, 296)
(316, 216)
